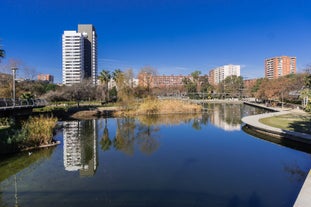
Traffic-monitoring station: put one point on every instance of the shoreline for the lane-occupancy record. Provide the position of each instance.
(252, 122)
(53, 144)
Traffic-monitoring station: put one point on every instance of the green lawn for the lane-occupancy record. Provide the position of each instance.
(299, 122)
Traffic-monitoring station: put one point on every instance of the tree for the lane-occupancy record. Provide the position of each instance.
(104, 78)
(233, 85)
(80, 91)
(306, 92)
(280, 89)
(196, 83)
(124, 84)
(115, 74)
(195, 79)
(2, 53)
(308, 81)
(145, 76)
(190, 86)
(205, 86)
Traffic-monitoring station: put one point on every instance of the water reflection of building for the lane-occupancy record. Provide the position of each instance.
(80, 152)
(226, 116)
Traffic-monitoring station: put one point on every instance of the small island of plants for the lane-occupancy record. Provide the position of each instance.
(36, 132)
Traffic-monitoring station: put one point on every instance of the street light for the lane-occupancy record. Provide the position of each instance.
(14, 69)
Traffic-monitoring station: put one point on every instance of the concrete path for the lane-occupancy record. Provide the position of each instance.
(253, 121)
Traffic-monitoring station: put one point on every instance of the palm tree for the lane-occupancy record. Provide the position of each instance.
(2, 53)
(105, 142)
(104, 78)
(116, 74)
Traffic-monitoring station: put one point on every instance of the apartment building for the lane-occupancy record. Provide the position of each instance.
(279, 66)
(160, 81)
(221, 73)
(46, 77)
(79, 55)
(90, 51)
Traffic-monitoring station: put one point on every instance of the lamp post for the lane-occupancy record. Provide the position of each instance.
(14, 69)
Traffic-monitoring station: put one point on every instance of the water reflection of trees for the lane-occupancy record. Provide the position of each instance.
(225, 116)
(128, 133)
(105, 141)
(143, 131)
(147, 139)
(295, 171)
(125, 135)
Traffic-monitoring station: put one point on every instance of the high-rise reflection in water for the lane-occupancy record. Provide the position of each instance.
(226, 116)
(80, 152)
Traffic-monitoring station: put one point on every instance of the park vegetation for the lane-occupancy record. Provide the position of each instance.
(31, 133)
(118, 87)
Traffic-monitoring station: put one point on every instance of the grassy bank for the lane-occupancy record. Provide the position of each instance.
(299, 122)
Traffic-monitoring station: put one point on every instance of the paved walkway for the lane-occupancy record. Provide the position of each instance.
(253, 121)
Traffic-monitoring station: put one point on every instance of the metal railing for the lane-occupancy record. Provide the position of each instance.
(9, 103)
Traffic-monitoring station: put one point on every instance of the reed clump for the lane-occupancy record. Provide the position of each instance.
(150, 106)
(39, 130)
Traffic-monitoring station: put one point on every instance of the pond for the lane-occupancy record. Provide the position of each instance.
(184, 160)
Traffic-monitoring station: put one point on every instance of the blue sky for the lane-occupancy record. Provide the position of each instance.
(175, 37)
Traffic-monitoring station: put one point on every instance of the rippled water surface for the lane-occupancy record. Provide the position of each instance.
(185, 160)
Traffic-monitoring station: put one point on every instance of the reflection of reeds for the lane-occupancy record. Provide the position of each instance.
(39, 130)
(170, 119)
(155, 106)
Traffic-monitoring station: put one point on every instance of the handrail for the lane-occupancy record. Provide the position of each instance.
(20, 103)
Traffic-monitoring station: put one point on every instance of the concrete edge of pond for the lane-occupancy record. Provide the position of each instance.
(304, 198)
(253, 123)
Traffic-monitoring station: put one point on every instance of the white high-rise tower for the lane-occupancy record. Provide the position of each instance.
(80, 55)
(73, 57)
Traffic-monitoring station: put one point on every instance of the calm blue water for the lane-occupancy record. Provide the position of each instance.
(205, 160)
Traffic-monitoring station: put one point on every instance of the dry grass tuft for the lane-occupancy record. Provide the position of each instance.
(39, 130)
(155, 106)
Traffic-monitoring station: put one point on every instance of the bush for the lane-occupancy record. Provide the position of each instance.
(308, 107)
(38, 130)
(5, 122)
(149, 106)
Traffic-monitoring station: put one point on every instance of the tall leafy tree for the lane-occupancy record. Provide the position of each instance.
(205, 86)
(190, 86)
(196, 79)
(232, 85)
(145, 77)
(307, 80)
